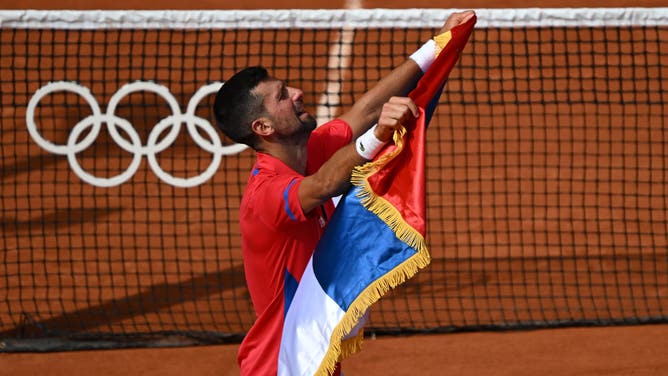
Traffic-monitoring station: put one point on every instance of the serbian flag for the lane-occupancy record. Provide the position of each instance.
(374, 241)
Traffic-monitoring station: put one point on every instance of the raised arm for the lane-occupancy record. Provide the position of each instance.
(365, 112)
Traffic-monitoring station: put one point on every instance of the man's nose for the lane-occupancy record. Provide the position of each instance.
(296, 94)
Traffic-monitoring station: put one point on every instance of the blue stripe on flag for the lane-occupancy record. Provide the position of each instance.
(289, 289)
(355, 239)
(431, 107)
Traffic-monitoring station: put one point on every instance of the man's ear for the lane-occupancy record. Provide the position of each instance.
(262, 126)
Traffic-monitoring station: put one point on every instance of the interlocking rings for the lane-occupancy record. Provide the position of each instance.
(134, 145)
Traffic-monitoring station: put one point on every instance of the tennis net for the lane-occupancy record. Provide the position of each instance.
(547, 175)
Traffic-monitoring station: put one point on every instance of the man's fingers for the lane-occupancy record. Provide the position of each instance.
(466, 15)
(396, 114)
(456, 19)
(406, 102)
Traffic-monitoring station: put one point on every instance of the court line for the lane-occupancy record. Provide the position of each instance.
(337, 64)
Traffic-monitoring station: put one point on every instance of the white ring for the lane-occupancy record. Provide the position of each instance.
(63, 86)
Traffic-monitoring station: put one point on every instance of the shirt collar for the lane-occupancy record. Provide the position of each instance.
(271, 163)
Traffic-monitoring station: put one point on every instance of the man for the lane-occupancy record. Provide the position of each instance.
(288, 199)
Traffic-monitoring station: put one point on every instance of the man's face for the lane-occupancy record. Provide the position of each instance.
(285, 107)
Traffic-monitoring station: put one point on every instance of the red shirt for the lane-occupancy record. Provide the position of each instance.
(278, 239)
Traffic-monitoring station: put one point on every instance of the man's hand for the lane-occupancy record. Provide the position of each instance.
(395, 112)
(456, 19)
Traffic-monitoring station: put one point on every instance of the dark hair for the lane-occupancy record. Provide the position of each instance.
(236, 106)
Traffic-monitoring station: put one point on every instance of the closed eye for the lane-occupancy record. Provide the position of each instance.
(283, 92)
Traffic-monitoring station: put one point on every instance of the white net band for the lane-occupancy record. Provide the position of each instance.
(315, 19)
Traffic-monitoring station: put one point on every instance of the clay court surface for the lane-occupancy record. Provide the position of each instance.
(622, 350)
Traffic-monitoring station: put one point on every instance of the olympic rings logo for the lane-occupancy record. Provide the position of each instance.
(134, 145)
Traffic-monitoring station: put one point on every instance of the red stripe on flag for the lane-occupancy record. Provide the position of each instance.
(402, 180)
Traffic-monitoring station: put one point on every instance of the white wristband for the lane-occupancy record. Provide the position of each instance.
(425, 55)
(368, 145)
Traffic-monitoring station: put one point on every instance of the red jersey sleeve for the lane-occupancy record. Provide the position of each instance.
(325, 141)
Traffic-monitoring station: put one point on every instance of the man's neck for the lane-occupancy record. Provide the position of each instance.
(293, 155)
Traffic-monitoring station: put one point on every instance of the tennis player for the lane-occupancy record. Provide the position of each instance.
(299, 169)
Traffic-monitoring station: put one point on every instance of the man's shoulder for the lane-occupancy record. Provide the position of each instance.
(335, 131)
(334, 125)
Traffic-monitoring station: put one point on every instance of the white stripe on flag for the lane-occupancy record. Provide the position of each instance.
(308, 327)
